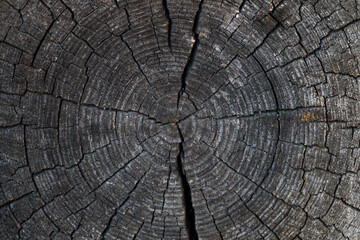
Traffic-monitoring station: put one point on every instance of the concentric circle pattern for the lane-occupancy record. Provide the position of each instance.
(179, 119)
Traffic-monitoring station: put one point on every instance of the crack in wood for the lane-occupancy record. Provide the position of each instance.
(194, 49)
(274, 87)
(189, 209)
(167, 15)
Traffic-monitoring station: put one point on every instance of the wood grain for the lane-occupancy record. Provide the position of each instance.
(179, 119)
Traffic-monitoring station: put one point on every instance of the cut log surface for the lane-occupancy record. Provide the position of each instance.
(179, 119)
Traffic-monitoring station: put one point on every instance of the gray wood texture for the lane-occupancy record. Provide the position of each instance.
(179, 119)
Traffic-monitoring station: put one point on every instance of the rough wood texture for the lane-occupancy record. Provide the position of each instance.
(179, 119)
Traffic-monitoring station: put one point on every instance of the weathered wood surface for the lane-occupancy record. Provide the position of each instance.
(179, 119)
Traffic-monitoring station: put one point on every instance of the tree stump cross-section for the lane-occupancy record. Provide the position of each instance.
(179, 119)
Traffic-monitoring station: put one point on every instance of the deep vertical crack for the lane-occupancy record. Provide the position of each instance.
(194, 49)
(167, 15)
(189, 209)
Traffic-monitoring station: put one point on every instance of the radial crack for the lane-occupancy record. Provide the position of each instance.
(108, 224)
(194, 49)
(127, 44)
(257, 217)
(212, 216)
(189, 209)
(167, 15)
(42, 40)
(142, 224)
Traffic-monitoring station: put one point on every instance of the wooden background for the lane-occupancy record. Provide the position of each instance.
(179, 119)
